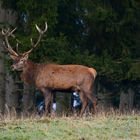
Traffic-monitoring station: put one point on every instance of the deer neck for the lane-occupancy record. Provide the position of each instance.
(28, 73)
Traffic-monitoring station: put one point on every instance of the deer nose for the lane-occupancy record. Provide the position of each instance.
(12, 67)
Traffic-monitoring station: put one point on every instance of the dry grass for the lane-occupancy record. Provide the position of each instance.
(109, 125)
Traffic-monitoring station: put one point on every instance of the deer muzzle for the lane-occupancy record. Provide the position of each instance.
(13, 67)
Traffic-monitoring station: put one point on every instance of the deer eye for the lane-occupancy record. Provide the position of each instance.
(22, 60)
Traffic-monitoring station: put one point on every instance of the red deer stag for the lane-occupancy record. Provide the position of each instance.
(52, 77)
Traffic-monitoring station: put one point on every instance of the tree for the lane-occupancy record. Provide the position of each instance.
(2, 80)
(7, 17)
(28, 100)
(101, 34)
(11, 95)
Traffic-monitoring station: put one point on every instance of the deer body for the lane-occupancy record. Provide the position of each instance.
(56, 77)
(52, 77)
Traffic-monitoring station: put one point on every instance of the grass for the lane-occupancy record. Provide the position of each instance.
(100, 127)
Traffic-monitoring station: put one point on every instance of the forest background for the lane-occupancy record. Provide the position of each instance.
(102, 34)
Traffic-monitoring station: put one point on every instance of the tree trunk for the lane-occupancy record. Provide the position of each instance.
(9, 17)
(126, 101)
(2, 80)
(11, 95)
(105, 96)
(28, 100)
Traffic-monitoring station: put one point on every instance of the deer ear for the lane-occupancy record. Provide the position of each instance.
(13, 57)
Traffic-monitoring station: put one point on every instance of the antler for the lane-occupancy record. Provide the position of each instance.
(41, 32)
(6, 34)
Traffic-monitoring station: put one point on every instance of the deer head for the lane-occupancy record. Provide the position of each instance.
(20, 59)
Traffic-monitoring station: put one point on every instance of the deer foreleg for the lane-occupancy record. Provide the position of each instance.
(48, 101)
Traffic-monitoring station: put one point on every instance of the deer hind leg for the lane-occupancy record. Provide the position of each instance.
(93, 102)
(84, 100)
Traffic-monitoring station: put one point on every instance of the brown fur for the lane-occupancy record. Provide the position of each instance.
(50, 77)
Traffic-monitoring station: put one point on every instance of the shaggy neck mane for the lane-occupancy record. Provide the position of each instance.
(28, 73)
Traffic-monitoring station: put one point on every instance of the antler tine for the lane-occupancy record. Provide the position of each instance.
(41, 32)
(11, 33)
(18, 49)
(32, 42)
(6, 34)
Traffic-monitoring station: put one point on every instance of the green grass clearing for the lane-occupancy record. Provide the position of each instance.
(72, 128)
